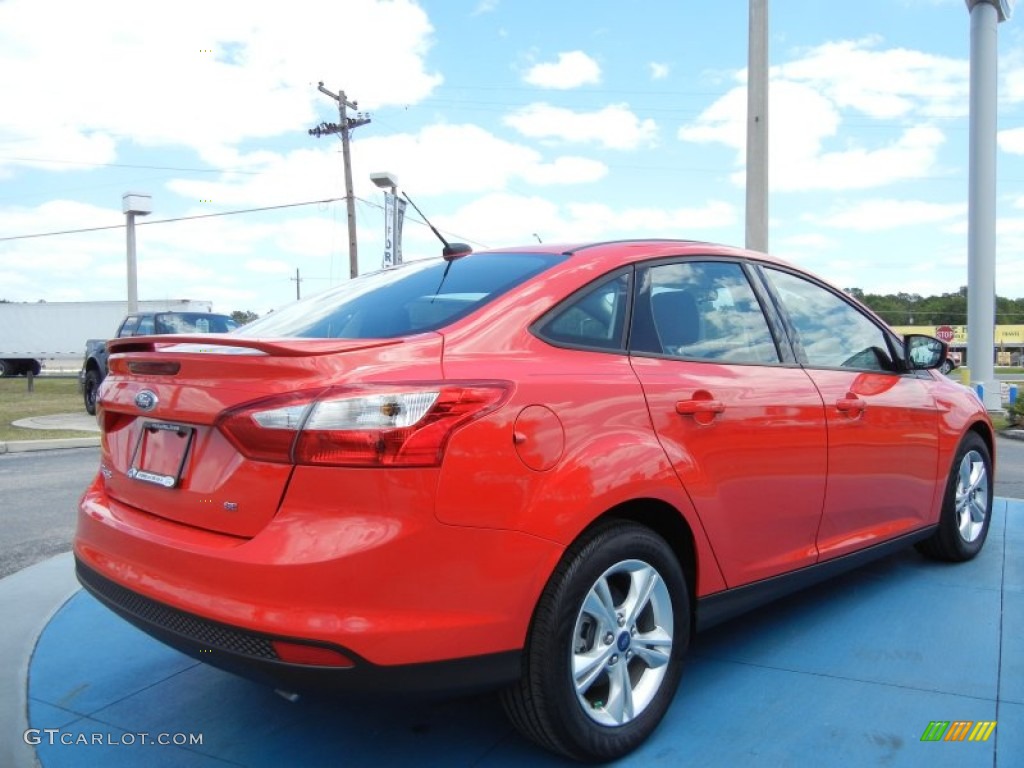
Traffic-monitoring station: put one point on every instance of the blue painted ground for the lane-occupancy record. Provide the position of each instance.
(849, 673)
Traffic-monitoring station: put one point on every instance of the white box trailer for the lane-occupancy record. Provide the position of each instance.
(33, 333)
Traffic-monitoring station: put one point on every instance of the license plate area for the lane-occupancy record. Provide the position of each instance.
(160, 453)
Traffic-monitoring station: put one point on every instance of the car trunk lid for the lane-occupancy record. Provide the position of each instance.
(163, 452)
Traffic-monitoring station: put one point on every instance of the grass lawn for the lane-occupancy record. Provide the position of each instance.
(50, 396)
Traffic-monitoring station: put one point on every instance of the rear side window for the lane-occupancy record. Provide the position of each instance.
(418, 296)
(129, 326)
(595, 317)
(145, 326)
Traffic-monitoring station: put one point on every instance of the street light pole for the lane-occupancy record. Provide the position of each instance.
(981, 193)
(134, 204)
(392, 231)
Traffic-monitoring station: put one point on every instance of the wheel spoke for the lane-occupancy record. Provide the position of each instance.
(978, 510)
(644, 581)
(588, 667)
(601, 605)
(620, 695)
(975, 476)
(654, 648)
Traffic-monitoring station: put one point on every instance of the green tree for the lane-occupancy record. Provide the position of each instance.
(242, 317)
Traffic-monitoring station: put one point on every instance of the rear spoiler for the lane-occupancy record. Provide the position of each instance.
(214, 343)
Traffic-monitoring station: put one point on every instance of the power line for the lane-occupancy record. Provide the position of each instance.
(127, 165)
(179, 218)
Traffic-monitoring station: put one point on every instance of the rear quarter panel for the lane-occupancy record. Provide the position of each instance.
(605, 454)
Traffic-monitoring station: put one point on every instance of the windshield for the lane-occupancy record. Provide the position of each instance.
(412, 298)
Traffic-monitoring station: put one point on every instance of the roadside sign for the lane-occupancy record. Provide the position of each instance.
(944, 333)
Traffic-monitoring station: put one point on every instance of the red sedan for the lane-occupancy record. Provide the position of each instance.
(536, 469)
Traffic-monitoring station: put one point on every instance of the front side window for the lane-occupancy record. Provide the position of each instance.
(415, 297)
(831, 332)
(701, 310)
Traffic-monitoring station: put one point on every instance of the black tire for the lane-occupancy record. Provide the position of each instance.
(6, 369)
(572, 624)
(966, 506)
(90, 384)
(946, 367)
(34, 368)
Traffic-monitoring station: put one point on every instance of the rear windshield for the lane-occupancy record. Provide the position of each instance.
(415, 297)
(193, 322)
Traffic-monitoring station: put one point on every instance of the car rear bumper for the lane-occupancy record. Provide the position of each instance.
(376, 577)
(253, 655)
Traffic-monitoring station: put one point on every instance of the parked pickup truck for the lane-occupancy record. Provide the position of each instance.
(94, 370)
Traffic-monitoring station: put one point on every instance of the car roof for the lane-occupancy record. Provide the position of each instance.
(629, 250)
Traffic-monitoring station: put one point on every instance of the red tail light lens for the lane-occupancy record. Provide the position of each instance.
(382, 425)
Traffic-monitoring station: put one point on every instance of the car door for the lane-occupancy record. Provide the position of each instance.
(883, 423)
(742, 424)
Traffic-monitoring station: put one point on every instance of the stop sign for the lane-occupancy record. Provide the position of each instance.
(944, 333)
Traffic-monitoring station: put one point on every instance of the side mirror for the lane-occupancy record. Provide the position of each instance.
(923, 352)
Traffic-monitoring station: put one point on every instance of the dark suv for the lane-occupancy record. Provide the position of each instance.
(94, 369)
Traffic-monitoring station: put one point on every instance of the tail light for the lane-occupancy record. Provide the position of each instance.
(379, 425)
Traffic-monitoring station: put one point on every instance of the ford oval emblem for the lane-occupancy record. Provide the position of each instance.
(146, 400)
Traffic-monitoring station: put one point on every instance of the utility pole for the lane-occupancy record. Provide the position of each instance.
(297, 280)
(345, 126)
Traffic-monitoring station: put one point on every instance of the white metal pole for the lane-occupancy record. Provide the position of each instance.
(757, 128)
(133, 283)
(981, 204)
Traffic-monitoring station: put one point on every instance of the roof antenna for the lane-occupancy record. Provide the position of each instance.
(451, 250)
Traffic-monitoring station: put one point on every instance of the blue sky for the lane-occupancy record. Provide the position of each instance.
(570, 120)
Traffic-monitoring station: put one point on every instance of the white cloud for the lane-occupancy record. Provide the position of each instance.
(801, 119)
(883, 84)
(154, 83)
(658, 71)
(1011, 141)
(512, 219)
(438, 159)
(1011, 68)
(814, 240)
(573, 69)
(485, 6)
(270, 266)
(875, 215)
(574, 170)
(614, 127)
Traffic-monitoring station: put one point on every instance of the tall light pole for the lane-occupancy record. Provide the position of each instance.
(134, 204)
(981, 196)
(345, 126)
(757, 127)
(394, 213)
